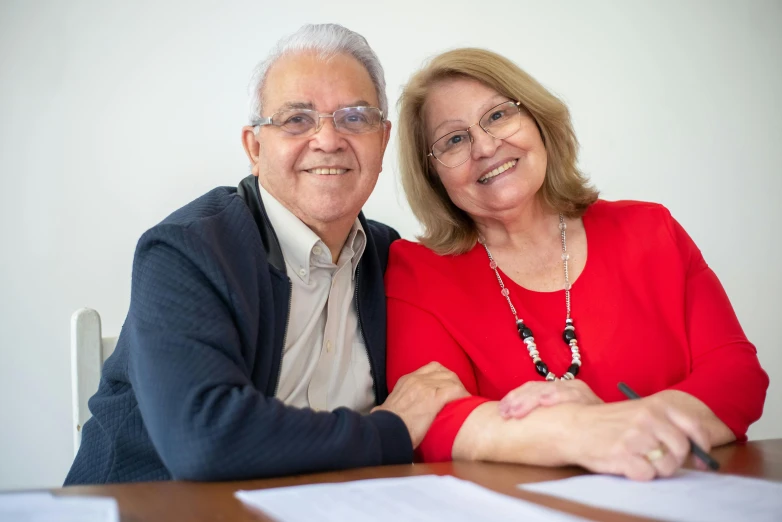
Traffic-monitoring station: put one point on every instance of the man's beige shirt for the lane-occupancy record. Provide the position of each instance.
(325, 363)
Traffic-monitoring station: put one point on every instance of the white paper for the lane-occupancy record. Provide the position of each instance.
(690, 496)
(45, 507)
(413, 499)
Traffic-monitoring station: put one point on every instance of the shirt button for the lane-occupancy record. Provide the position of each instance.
(302, 272)
(317, 250)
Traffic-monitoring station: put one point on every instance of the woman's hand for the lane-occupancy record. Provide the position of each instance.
(519, 402)
(639, 439)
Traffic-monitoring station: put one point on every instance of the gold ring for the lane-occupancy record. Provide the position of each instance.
(655, 454)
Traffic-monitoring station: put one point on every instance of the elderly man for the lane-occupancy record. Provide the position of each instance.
(255, 341)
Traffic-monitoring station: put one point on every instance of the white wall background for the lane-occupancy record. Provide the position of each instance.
(113, 114)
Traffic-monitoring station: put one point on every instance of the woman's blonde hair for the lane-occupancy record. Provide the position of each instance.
(447, 228)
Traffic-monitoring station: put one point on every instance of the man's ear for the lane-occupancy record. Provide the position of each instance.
(251, 147)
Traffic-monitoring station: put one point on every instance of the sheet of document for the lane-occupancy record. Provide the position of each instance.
(690, 496)
(412, 499)
(45, 507)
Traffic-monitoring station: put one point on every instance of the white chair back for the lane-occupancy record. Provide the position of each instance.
(88, 351)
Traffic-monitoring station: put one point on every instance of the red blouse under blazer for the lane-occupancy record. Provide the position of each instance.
(647, 310)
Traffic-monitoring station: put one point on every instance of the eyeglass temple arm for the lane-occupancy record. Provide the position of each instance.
(260, 122)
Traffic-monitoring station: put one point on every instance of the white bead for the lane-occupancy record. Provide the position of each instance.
(568, 286)
(529, 341)
(505, 292)
(570, 327)
(551, 377)
(567, 377)
(565, 256)
(562, 225)
(534, 354)
(576, 361)
(492, 264)
(536, 360)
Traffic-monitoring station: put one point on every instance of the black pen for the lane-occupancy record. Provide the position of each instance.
(696, 450)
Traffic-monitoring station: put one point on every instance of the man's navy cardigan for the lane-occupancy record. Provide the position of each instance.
(189, 392)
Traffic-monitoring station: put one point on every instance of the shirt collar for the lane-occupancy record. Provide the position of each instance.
(300, 245)
(357, 240)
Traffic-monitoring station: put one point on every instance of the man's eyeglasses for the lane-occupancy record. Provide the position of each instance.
(501, 121)
(305, 122)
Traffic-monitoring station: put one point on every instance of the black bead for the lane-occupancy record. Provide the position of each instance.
(568, 335)
(541, 367)
(573, 369)
(525, 332)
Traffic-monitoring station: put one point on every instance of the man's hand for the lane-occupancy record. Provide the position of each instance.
(419, 396)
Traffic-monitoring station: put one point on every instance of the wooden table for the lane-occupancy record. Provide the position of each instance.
(197, 502)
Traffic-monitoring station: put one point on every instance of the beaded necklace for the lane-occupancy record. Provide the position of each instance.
(569, 333)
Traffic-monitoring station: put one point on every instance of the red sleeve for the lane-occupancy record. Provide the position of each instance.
(725, 371)
(416, 338)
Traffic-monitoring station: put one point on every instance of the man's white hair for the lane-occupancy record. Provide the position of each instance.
(326, 40)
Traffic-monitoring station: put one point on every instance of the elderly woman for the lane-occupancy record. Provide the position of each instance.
(542, 297)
